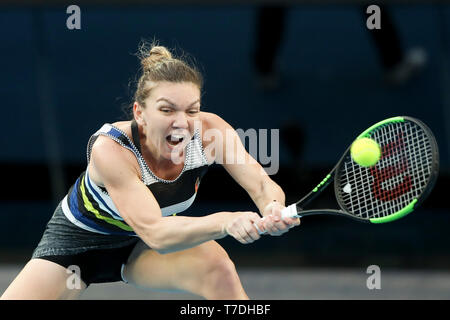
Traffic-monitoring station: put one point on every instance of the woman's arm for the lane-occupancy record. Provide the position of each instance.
(248, 173)
(139, 208)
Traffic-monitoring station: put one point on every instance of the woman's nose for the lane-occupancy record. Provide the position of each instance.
(180, 120)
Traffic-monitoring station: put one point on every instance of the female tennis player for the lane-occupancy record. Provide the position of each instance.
(118, 221)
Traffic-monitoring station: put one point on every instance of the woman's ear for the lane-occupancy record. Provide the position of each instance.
(138, 113)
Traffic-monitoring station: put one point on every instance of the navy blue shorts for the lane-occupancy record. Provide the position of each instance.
(100, 257)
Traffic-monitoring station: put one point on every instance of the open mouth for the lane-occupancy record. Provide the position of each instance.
(175, 139)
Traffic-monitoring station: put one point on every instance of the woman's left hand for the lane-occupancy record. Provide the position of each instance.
(273, 223)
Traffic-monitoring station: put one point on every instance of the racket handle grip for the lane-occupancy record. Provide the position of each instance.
(288, 212)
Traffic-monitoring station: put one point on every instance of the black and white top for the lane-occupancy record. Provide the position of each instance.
(90, 207)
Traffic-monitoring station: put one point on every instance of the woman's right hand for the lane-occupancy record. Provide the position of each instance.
(240, 225)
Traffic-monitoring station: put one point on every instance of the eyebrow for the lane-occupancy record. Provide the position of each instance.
(173, 104)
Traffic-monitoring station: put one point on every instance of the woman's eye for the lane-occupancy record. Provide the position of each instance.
(166, 110)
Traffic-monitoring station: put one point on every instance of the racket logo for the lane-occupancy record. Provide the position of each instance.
(381, 175)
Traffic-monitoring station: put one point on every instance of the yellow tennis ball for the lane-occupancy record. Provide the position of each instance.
(365, 152)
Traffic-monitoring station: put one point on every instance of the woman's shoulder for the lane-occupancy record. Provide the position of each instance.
(212, 121)
(104, 143)
(106, 147)
(124, 126)
(107, 153)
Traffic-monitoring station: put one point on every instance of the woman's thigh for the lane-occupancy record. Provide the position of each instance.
(43, 280)
(198, 270)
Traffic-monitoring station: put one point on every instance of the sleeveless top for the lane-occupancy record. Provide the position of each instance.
(89, 206)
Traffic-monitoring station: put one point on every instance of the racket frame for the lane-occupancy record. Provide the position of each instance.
(296, 209)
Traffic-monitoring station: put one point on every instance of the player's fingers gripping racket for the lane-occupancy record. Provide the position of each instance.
(391, 187)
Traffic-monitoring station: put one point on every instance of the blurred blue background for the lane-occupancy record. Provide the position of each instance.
(58, 86)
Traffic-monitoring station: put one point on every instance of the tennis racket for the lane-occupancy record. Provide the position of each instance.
(396, 185)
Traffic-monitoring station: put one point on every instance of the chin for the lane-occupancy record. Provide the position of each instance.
(175, 158)
(172, 155)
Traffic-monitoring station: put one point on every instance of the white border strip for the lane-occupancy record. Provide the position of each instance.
(70, 216)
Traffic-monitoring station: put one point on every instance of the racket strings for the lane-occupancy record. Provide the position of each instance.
(399, 176)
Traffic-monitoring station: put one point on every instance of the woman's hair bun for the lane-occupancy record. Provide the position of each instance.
(153, 55)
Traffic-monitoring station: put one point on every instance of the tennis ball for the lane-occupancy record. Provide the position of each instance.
(365, 152)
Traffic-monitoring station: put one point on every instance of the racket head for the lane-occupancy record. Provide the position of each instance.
(399, 182)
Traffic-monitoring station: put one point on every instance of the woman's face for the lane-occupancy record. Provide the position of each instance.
(168, 118)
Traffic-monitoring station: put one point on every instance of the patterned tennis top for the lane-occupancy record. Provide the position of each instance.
(90, 207)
